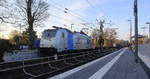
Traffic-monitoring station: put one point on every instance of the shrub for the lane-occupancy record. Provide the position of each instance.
(5, 46)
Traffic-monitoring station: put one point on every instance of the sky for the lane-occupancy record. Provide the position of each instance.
(87, 11)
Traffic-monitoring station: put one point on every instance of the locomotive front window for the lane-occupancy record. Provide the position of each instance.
(49, 34)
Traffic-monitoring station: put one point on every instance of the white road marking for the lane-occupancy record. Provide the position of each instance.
(100, 73)
(65, 74)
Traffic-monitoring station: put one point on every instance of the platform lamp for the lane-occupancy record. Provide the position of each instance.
(149, 27)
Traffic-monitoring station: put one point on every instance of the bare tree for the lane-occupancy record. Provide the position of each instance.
(2, 5)
(2, 2)
(109, 34)
(95, 36)
(98, 35)
(101, 38)
(30, 13)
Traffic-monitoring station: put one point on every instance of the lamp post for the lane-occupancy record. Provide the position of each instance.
(71, 26)
(143, 28)
(130, 29)
(149, 27)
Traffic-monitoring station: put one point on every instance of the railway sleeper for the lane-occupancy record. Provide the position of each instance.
(72, 61)
(10, 65)
(11, 74)
(38, 70)
(82, 58)
(35, 61)
(59, 64)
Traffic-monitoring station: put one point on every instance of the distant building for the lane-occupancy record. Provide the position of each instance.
(141, 39)
(107, 43)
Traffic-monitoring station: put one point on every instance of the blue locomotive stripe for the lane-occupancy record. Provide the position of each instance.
(70, 41)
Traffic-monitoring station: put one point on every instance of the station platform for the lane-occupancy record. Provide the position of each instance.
(117, 65)
(144, 54)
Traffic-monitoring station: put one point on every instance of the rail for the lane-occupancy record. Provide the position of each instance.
(77, 57)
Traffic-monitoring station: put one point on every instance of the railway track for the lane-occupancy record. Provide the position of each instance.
(48, 66)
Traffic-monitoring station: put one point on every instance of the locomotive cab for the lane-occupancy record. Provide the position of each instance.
(56, 39)
(47, 43)
(61, 39)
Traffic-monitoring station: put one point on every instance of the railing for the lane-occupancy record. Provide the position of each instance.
(50, 64)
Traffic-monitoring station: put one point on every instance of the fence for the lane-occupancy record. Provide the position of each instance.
(48, 66)
(20, 55)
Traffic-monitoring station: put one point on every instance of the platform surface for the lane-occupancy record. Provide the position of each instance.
(119, 65)
(144, 54)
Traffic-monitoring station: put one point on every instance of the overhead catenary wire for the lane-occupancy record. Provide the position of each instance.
(67, 20)
(67, 11)
(106, 16)
(60, 7)
(63, 12)
(90, 3)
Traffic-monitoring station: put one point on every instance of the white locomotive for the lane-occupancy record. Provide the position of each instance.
(61, 39)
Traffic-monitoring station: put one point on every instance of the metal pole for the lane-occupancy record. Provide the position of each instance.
(143, 28)
(130, 30)
(136, 29)
(71, 27)
(149, 28)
